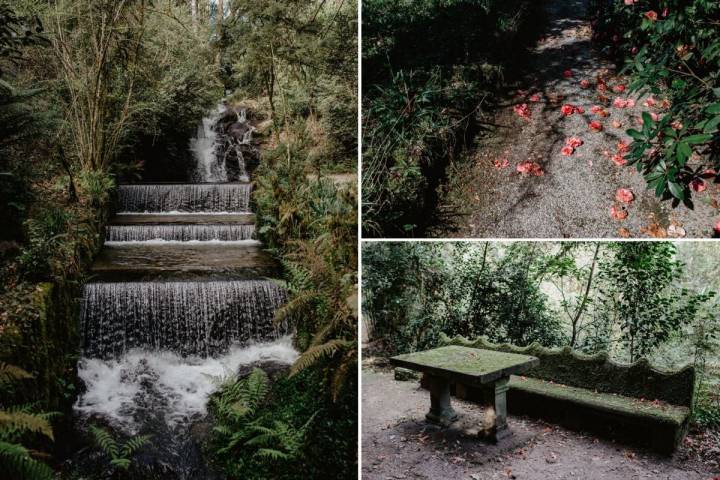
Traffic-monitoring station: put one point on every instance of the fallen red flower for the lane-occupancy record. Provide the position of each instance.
(624, 195)
(522, 111)
(530, 168)
(573, 142)
(651, 15)
(567, 150)
(584, 83)
(619, 160)
(618, 213)
(567, 110)
(595, 126)
(567, 73)
(619, 88)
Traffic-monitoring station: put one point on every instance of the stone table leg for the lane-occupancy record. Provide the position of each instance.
(441, 412)
(495, 398)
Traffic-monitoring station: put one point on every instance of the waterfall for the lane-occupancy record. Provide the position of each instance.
(189, 318)
(152, 351)
(179, 233)
(230, 197)
(205, 148)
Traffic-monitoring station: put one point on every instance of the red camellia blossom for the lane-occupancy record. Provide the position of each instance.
(618, 213)
(616, 124)
(649, 102)
(619, 160)
(676, 125)
(665, 12)
(567, 150)
(595, 126)
(523, 111)
(622, 148)
(501, 163)
(651, 15)
(619, 88)
(595, 108)
(698, 185)
(584, 83)
(530, 168)
(634, 50)
(620, 103)
(717, 227)
(535, 98)
(567, 110)
(573, 142)
(579, 110)
(567, 73)
(629, 2)
(624, 195)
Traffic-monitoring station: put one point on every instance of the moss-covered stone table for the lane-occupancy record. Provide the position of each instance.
(485, 370)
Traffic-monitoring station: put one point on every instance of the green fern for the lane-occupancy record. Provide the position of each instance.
(120, 456)
(11, 373)
(16, 463)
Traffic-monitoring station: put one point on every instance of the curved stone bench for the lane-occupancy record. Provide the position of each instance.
(636, 403)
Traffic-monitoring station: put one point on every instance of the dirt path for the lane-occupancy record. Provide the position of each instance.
(574, 196)
(398, 444)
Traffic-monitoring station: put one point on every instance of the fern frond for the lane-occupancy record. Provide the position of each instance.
(135, 444)
(105, 441)
(313, 354)
(272, 454)
(10, 373)
(25, 422)
(15, 461)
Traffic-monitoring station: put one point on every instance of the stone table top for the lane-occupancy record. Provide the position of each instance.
(472, 366)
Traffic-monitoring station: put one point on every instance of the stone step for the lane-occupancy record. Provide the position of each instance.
(135, 261)
(182, 218)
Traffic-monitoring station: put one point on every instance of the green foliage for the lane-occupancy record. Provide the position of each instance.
(636, 296)
(412, 292)
(244, 436)
(291, 433)
(120, 454)
(675, 56)
(623, 298)
(17, 425)
(311, 225)
(301, 56)
(430, 68)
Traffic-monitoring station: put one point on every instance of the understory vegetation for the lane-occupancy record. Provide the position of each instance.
(430, 68)
(671, 50)
(650, 299)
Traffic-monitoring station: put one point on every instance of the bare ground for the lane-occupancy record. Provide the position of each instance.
(397, 443)
(574, 196)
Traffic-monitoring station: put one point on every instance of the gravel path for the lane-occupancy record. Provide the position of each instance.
(398, 444)
(574, 196)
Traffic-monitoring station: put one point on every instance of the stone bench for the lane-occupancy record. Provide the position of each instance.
(634, 403)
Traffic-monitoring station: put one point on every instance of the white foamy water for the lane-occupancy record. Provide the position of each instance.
(124, 390)
(160, 241)
(210, 167)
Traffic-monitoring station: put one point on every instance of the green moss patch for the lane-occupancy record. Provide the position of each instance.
(629, 406)
(465, 361)
(598, 372)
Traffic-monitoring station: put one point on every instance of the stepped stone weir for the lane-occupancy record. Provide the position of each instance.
(189, 318)
(179, 233)
(203, 197)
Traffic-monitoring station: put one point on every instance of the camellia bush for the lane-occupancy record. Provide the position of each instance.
(671, 50)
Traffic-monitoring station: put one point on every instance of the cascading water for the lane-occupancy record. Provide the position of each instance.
(222, 197)
(179, 233)
(189, 318)
(205, 148)
(153, 350)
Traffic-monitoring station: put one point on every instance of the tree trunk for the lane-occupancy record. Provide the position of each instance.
(194, 14)
(583, 302)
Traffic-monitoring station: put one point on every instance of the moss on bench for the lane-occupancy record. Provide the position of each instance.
(637, 402)
(610, 402)
(598, 372)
